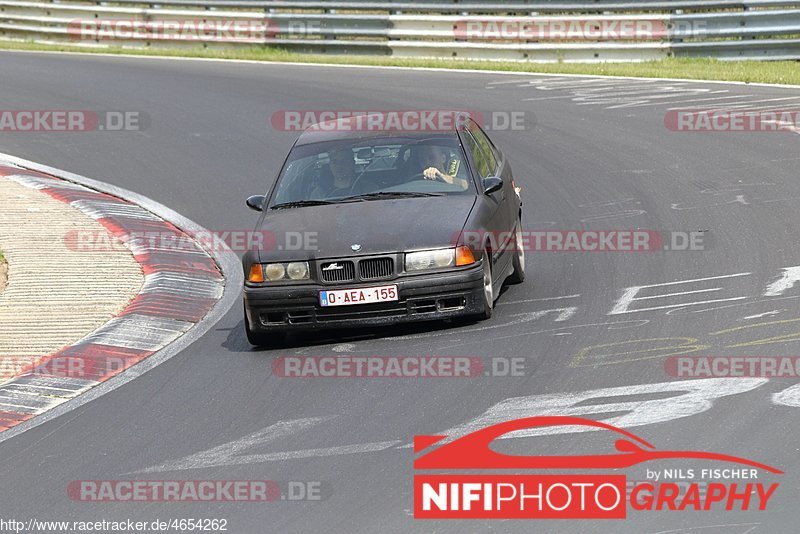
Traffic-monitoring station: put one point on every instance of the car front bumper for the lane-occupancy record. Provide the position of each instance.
(421, 298)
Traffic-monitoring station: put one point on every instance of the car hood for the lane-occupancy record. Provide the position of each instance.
(379, 226)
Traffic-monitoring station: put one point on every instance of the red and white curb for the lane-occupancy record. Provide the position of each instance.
(183, 290)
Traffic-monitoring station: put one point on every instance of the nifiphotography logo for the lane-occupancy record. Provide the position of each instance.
(499, 495)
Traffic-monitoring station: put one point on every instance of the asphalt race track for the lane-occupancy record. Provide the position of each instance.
(595, 154)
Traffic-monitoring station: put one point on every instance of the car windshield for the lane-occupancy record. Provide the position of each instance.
(372, 169)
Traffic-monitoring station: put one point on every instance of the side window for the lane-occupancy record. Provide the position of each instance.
(486, 146)
(484, 164)
(481, 135)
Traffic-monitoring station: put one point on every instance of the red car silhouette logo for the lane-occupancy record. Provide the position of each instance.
(472, 451)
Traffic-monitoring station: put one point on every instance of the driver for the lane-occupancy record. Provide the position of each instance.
(433, 159)
(342, 167)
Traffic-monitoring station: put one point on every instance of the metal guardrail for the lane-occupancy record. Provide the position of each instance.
(562, 30)
(473, 7)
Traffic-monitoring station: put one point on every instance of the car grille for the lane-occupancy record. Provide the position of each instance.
(375, 268)
(346, 273)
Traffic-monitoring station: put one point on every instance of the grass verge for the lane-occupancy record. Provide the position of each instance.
(778, 72)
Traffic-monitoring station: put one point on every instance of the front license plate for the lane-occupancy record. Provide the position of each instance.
(364, 295)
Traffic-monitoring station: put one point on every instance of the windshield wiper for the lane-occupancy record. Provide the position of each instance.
(354, 198)
(392, 194)
(301, 203)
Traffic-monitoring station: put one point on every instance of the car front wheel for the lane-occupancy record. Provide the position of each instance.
(518, 260)
(488, 287)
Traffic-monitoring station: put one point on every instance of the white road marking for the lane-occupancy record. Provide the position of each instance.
(503, 82)
(678, 294)
(544, 299)
(357, 448)
(740, 199)
(629, 295)
(620, 93)
(650, 99)
(683, 305)
(726, 527)
(760, 315)
(629, 91)
(526, 317)
(618, 215)
(607, 203)
(229, 452)
(560, 83)
(736, 305)
(781, 99)
(690, 397)
(536, 99)
(788, 397)
(685, 101)
(732, 188)
(624, 324)
(785, 199)
(784, 283)
(616, 102)
(743, 103)
(748, 108)
(251, 63)
(612, 325)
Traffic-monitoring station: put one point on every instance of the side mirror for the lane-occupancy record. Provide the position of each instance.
(492, 184)
(256, 202)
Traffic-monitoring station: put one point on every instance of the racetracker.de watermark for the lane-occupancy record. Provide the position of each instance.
(732, 366)
(94, 241)
(72, 120)
(731, 120)
(585, 240)
(348, 366)
(197, 490)
(398, 120)
(65, 366)
(175, 29)
(559, 29)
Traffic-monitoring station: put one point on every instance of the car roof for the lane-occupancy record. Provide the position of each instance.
(367, 126)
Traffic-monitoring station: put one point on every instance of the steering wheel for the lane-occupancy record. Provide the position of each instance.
(357, 179)
(421, 176)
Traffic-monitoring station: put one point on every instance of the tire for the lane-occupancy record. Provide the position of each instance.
(518, 261)
(263, 339)
(488, 287)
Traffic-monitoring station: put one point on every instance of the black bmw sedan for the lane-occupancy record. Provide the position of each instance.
(386, 227)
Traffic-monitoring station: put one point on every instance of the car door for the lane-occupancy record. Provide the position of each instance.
(485, 164)
(513, 202)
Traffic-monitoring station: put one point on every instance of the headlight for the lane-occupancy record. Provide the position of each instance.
(297, 270)
(274, 271)
(430, 259)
